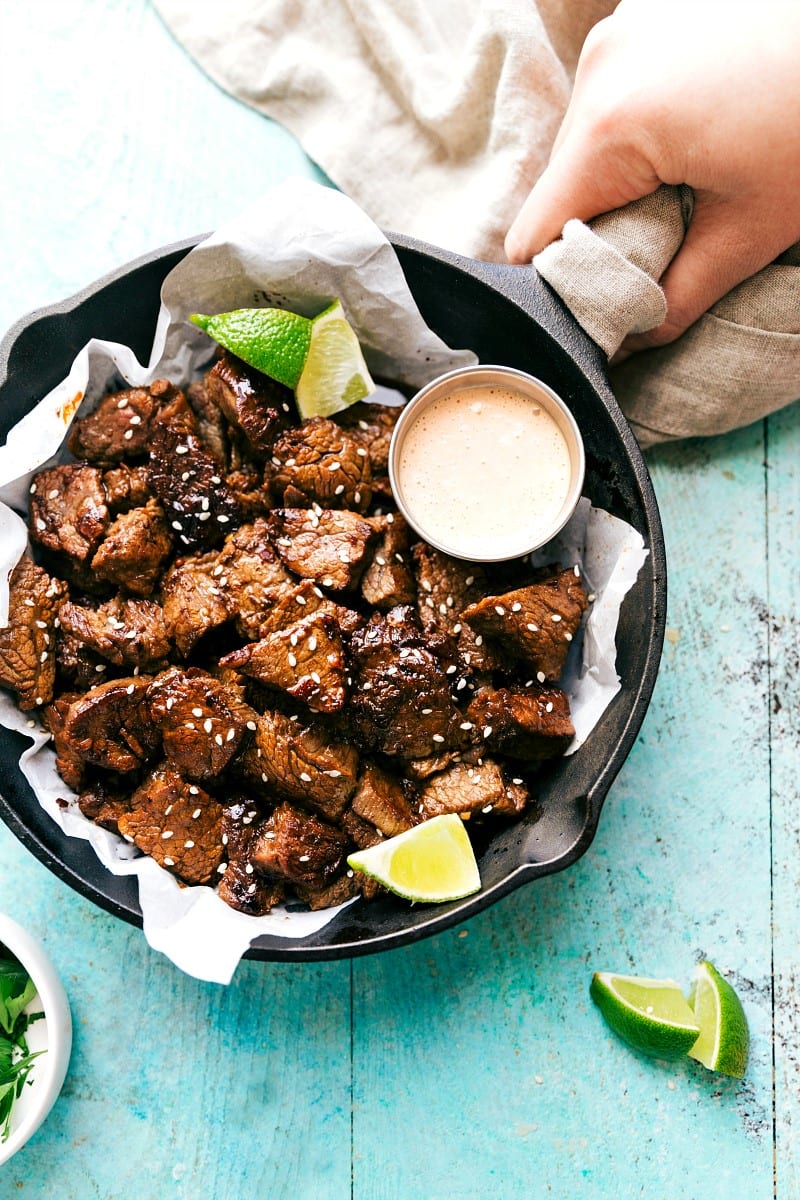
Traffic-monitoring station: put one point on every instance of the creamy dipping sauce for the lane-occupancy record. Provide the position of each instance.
(486, 471)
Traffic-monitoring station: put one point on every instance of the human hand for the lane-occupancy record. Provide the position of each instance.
(704, 94)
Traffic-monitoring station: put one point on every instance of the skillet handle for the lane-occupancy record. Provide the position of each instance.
(525, 287)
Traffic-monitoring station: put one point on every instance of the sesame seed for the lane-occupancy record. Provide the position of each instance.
(204, 503)
(462, 683)
(427, 585)
(181, 449)
(487, 808)
(568, 636)
(361, 452)
(301, 600)
(327, 581)
(555, 616)
(451, 670)
(100, 667)
(333, 774)
(337, 491)
(443, 609)
(41, 624)
(218, 739)
(315, 677)
(591, 597)
(292, 660)
(222, 868)
(466, 725)
(170, 702)
(186, 475)
(32, 489)
(312, 643)
(230, 735)
(478, 640)
(39, 700)
(380, 560)
(223, 520)
(224, 839)
(218, 570)
(487, 731)
(437, 737)
(177, 525)
(168, 833)
(357, 497)
(169, 862)
(40, 525)
(532, 628)
(304, 858)
(216, 479)
(197, 712)
(549, 706)
(252, 886)
(498, 608)
(53, 495)
(517, 781)
(128, 434)
(208, 724)
(426, 712)
(306, 778)
(334, 466)
(130, 689)
(30, 603)
(204, 516)
(248, 869)
(196, 812)
(188, 845)
(252, 725)
(577, 571)
(540, 675)
(136, 419)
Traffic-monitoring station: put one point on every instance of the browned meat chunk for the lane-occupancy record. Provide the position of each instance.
(126, 487)
(257, 405)
(304, 764)
(200, 506)
(322, 464)
(109, 726)
(77, 667)
(249, 492)
(125, 632)
(380, 799)
(446, 586)
(27, 642)
(523, 723)
(70, 766)
(306, 660)
(420, 769)
(388, 580)
(193, 601)
(176, 823)
(329, 546)
(372, 425)
(135, 549)
(467, 789)
(121, 425)
(240, 885)
(248, 572)
(212, 428)
(300, 848)
(68, 510)
(339, 892)
(203, 723)
(535, 623)
(400, 700)
(103, 806)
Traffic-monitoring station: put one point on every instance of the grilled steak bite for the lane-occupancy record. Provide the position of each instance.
(465, 788)
(329, 546)
(70, 766)
(201, 509)
(306, 660)
(343, 888)
(212, 427)
(372, 426)
(27, 643)
(380, 799)
(303, 763)
(121, 424)
(248, 572)
(104, 806)
(446, 586)
(203, 723)
(193, 602)
(523, 723)
(388, 580)
(135, 549)
(299, 847)
(176, 823)
(257, 405)
(125, 632)
(536, 623)
(321, 464)
(68, 511)
(126, 487)
(109, 726)
(400, 700)
(240, 885)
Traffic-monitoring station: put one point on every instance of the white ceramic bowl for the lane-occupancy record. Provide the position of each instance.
(53, 1034)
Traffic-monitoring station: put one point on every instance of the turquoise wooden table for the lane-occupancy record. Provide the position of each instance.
(473, 1064)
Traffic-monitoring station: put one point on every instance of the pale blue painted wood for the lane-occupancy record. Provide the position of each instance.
(472, 1064)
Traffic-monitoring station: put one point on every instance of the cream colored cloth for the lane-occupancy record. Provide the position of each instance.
(437, 116)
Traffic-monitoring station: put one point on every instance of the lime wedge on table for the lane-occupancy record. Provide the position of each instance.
(651, 1015)
(724, 1041)
(319, 357)
(432, 862)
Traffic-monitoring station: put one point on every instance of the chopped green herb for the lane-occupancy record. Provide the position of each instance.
(16, 992)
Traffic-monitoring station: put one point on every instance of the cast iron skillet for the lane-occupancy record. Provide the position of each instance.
(506, 315)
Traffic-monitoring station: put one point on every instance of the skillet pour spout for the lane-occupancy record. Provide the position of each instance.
(506, 315)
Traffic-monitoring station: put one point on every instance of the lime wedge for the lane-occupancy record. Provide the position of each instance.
(724, 1041)
(649, 1014)
(335, 374)
(432, 862)
(272, 340)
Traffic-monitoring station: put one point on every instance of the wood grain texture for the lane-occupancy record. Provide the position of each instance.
(473, 1064)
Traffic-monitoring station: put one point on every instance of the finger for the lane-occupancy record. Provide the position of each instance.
(580, 181)
(718, 252)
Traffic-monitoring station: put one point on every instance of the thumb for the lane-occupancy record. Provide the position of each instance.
(722, 247)
(581, 180)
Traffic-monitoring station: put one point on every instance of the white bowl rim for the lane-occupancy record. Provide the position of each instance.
(51, 1068)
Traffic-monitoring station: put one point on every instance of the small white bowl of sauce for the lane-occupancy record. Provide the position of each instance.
(486, 463)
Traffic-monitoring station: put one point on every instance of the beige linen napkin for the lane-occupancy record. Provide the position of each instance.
(437, 116)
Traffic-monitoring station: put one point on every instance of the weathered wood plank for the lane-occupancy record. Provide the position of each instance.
(783, 482)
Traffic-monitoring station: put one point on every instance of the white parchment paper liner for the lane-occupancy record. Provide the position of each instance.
(299, 246)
